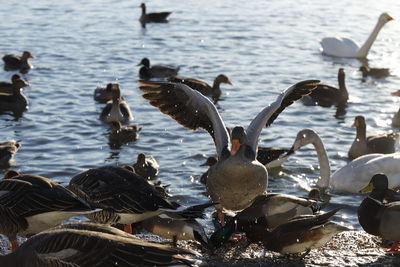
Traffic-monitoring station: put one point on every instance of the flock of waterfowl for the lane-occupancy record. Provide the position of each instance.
(236, 180)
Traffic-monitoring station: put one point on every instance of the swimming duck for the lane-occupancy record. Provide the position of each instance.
(156, 71)
(378, 218)
(146, 167)
(16, 101)
(380, 143)
(21, 63)
(237, 178)
(203, 87)
(83, 244)
(124, 196)
(16, 83)
(352, 177)
(7, 151)
(123, 134)
(118, 109)
(327, 95)
(103, 95)
(31, 203)
(374, 72)
(345, 47)
(158, 17)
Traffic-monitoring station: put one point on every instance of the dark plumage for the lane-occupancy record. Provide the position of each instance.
(123, 134)
(156, 71)
(103, 95)
(16, 101)
(146, 167)
(7, 151)
(156, 17)
(21, 63)
(374, 72)
(16, 83)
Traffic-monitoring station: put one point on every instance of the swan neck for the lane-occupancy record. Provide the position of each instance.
(324, 166)
(368, 43)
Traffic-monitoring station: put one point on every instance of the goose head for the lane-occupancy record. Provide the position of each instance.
(359, 122)
(238, 138)
(385, 17)
(223, 79)
(26, 55)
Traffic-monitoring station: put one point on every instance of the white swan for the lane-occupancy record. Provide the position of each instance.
(345, 47)
(357, 173)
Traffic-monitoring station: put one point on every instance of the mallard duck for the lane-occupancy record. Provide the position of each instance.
(345, 47)
(374, 72)
(146, 167)
(21, 63)
(378, 218)
(237, 178)
(203, 87)
(30, 204)
(103, 95)
(356, 174)
(158, 17)
(7, 151)
(16, 83)
(118, 109)
(123, 134)
(327, 95)
(16, 101)
(380, 143)
(83, 244)
(124, 196)
(156, 71)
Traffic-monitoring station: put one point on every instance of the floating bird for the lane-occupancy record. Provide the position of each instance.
(7, 151)
(16, 101)
(21, 63)
(83, 244)
(203, 87)
(328, 95)
(156, 71)
(118, 109)
(352, 177)
(374, 72)
(158, 17)
(378, 218)
(16, 83)
(103, 95)
(237, 178)
(123, 134)
(30, 204)
(146, 167)
(381, 143)
(345, 47)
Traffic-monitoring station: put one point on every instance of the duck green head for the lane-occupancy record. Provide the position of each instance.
(377, 186)
(220, 236)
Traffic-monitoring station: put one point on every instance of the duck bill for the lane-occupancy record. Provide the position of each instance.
(367, 189)
(235, 146)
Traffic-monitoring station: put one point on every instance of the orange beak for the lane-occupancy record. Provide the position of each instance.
(397, 93)
(235, 146)
(355, 124)
(229, 82)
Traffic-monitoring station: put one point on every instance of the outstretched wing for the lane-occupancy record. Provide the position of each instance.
(189, 108)
(267, 116)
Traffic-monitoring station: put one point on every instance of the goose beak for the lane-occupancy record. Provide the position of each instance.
(229, 82)
(368, 188)
(235, 146)
(390, 18)
(397, 93)
(355, 124)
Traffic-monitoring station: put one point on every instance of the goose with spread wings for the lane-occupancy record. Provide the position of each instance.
(237, 178)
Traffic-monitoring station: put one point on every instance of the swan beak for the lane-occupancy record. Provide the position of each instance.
(235, 146)
(397, 93)
(368, 188)
(389, 17)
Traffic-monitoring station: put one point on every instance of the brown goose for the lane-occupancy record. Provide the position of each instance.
(203, 87)
(123, 134)
(156, 71)
(7, 151)
(103, 95)
(237, 178)
(16, 101)
(118, 109)
(362, 145)
(146, 167)
(374, 72)
(30, 204)
(124, 196)
(21, 63)
(83, 244)
(16, 83)
(157, 17)
(328, 95)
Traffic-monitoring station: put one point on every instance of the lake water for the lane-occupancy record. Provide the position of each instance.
(262, 46)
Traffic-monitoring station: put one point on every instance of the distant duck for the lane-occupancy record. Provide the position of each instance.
(123, 134)
(118, 109)
(396, 118)
(156, 71)
(374, 72)
(203, 87)
(377, 217)
(158, 17)
(7, 151)
(146, 167)
(68, 245)
(345, 47)
(21, 63)
(103, 95)
(16, 101)
(328, 95)
(16, 83)
(381, 143)
(31, 203)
